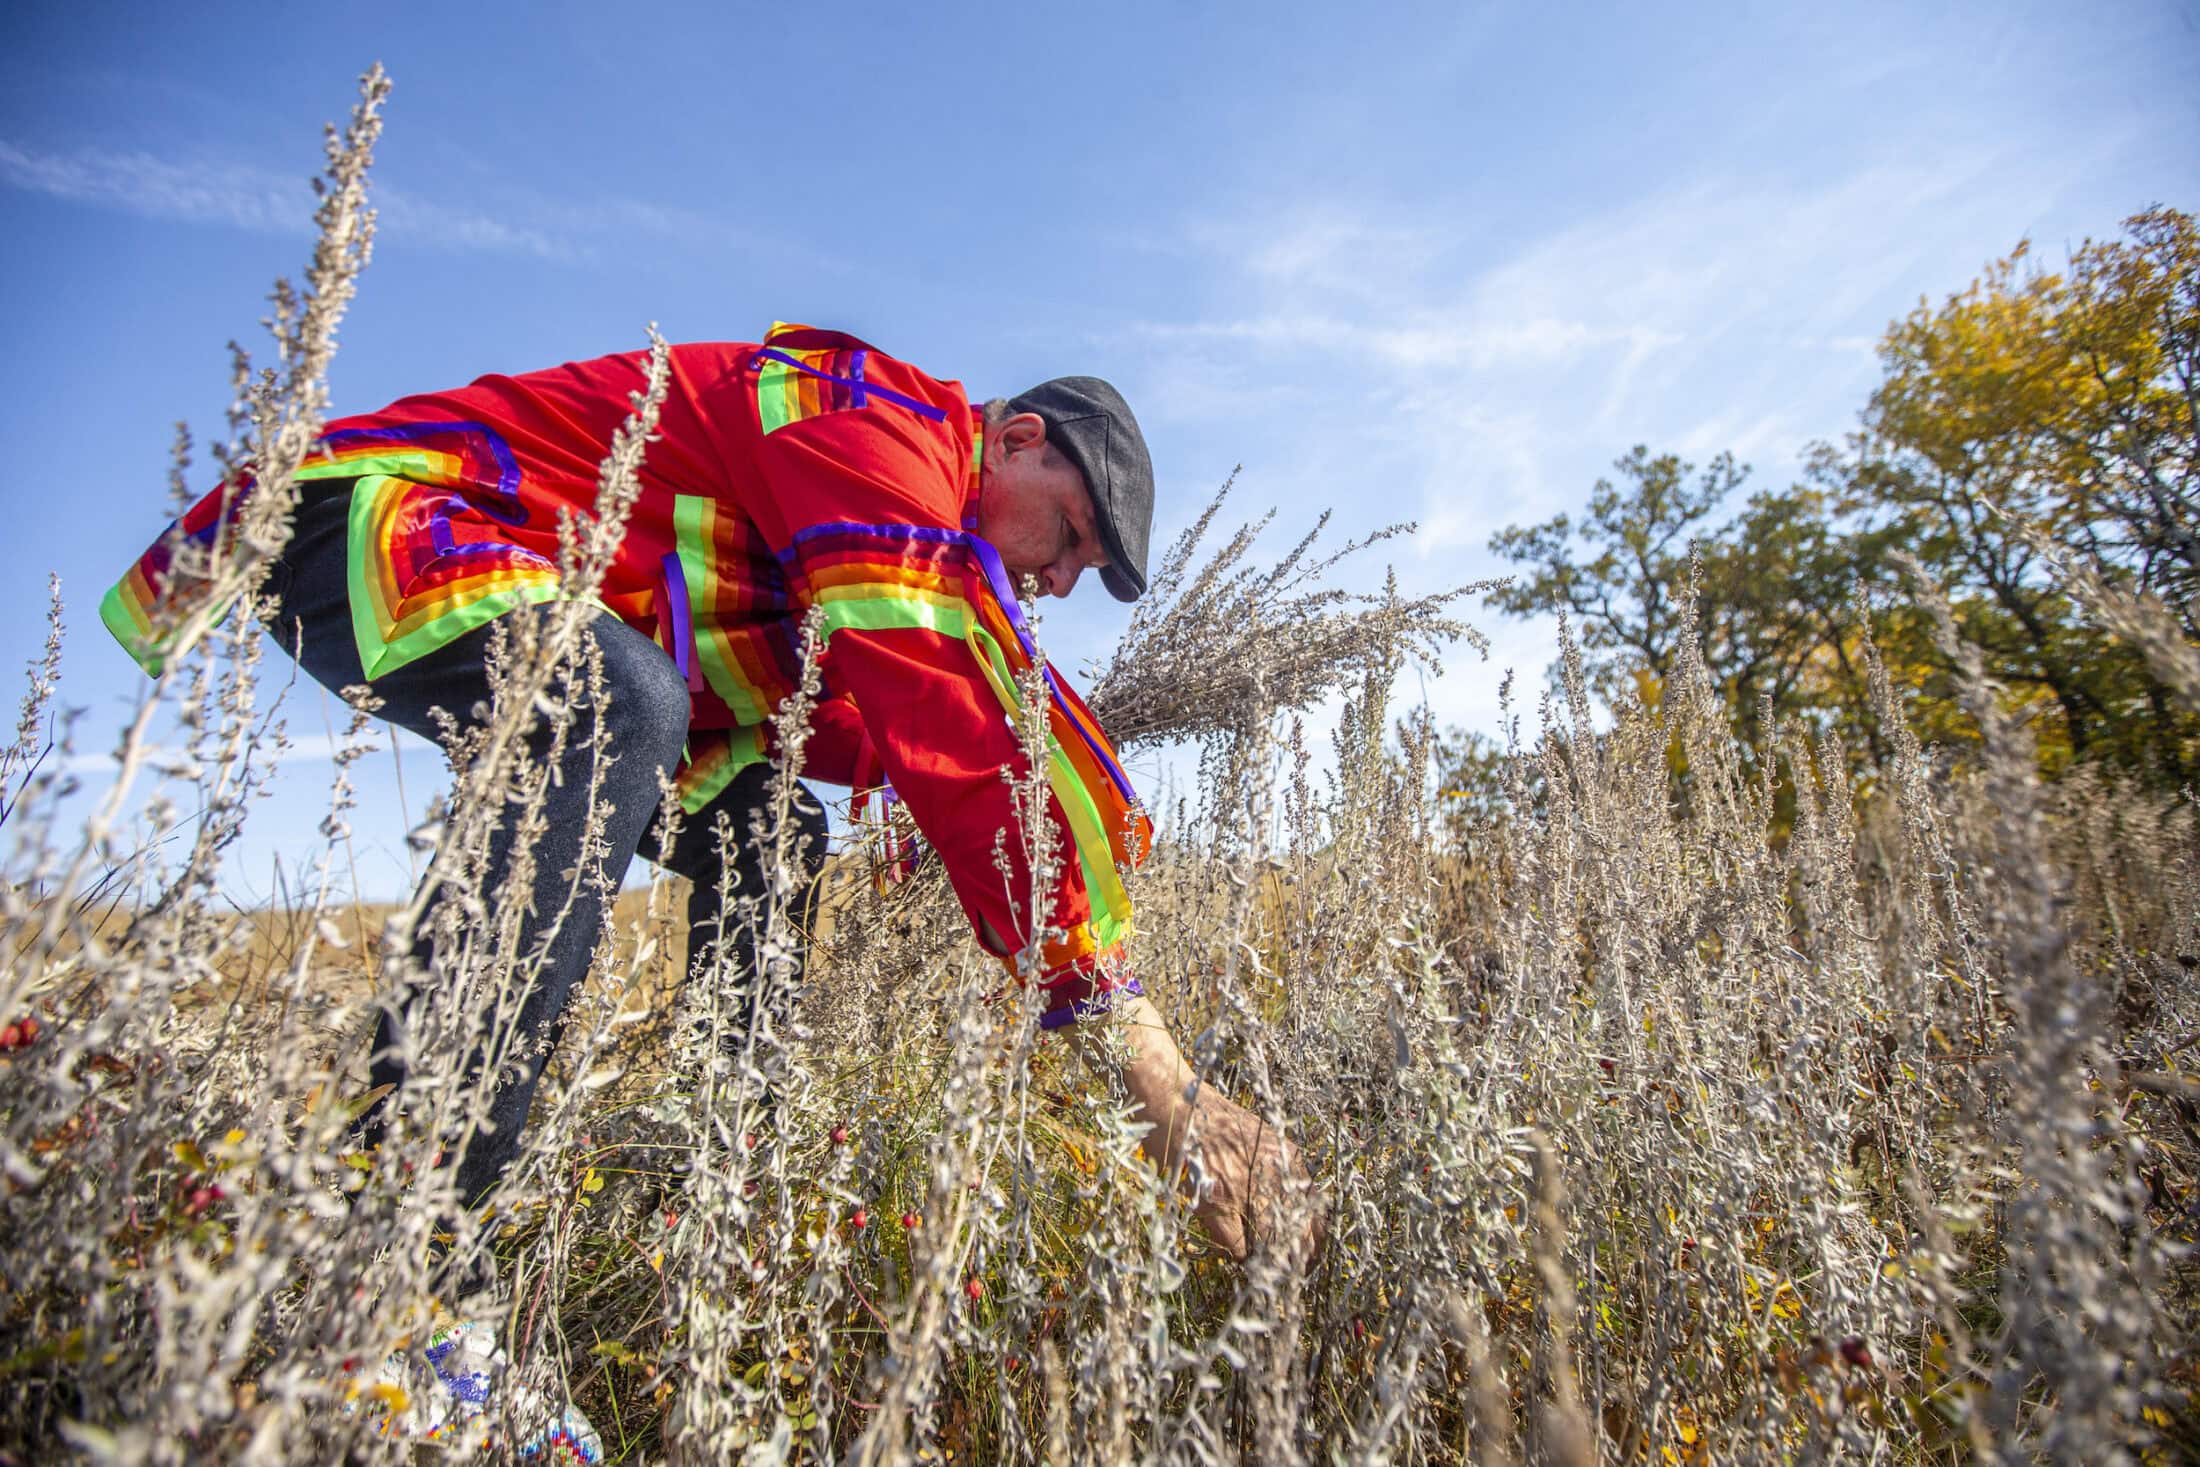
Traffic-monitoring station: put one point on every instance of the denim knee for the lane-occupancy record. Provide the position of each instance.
(646, 701)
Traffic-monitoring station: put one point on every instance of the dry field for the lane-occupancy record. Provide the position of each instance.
(1741, 1115)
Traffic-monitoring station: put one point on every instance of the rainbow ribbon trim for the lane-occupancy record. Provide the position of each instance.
(143, 609)
(792, 386)
(730, 625)
(423, 574)
(426, 565)
(457, 455)
(879, 577)
(713, 759)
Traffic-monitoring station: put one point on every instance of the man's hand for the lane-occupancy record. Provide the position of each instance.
(1249, 1167)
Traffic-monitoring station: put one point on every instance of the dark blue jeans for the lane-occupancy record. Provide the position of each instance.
(644, 717)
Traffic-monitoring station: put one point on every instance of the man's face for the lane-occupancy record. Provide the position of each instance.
(1033, 507)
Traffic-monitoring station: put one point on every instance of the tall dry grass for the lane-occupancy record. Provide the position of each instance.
(1700, 1107)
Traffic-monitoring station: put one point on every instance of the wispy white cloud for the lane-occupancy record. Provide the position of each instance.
(499, 222)
(417, 220)
(1346, 251)
(139, 183)
(241, 196)
(1485, 389)
(1750, 437)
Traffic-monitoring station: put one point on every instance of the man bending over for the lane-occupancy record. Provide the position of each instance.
(805, 471)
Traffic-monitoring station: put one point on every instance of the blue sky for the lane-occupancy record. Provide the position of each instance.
(1431, 262)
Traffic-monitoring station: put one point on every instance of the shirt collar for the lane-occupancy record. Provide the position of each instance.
(977, 465)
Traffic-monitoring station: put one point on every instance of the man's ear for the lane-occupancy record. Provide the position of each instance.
(1024, 430)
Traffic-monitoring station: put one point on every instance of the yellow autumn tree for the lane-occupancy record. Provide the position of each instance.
(2066, 401)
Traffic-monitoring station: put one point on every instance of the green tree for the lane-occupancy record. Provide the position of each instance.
(1618, 567)
(1774, 613)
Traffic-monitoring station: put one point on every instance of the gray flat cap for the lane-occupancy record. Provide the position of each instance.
(1089, 421)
